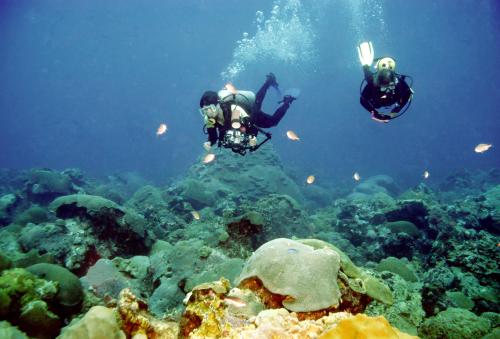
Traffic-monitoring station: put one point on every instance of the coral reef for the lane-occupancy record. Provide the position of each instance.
(124, 227)
(426, 259)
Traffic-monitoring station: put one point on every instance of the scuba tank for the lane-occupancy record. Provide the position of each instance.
(244, 99)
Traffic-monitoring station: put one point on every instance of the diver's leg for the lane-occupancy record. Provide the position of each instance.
(259, 97)
(265, 120)
(280, 113)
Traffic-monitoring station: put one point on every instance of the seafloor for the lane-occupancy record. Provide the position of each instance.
(241, 248)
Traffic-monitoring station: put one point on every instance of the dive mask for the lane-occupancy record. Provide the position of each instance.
(209, 111)
(389, 88)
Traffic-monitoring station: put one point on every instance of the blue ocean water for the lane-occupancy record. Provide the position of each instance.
(86, 84)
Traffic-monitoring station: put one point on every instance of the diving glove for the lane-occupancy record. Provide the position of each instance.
(366, 54)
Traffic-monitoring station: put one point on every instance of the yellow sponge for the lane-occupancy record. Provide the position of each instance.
(364, 327)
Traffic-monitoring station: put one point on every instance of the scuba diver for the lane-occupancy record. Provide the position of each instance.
(385, 88)
(234, 118)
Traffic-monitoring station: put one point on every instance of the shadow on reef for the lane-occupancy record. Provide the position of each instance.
(428, 256)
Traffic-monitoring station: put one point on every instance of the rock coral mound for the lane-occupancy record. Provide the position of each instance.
(291, 269)
(98, 323)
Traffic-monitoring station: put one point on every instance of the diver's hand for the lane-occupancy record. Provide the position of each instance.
(365, 53)
(379, 120)
(207, 146)
(252, 141)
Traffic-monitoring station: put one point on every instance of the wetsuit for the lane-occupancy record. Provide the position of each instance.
(372, 98)
(262, 119)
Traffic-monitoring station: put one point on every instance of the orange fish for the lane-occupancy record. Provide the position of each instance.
(481, 148)
(310, 179)
(230, 87)
(209, 158)
(196, 215)
(162, 129)
(426, 174)
(292, 136)
(356, 176)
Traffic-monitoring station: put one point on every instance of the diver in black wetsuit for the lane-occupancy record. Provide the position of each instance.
(384, 88)
(261, 119)
(233, 119)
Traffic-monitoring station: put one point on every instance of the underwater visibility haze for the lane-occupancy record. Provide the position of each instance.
(116, 216)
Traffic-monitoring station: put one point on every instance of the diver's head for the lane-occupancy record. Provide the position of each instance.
(209, 104)
(385, 78)
(209, 98)
(385, 63)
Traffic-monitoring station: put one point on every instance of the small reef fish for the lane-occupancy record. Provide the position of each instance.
(310, 179)
(356, 176)
(162, 129)
(209, 158)
(233, 301)
(426, 174)
(481, 148)
(230, 87)
(292, 136)
(196, 215)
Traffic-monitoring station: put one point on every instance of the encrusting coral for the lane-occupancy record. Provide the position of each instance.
(209, 315)
(138, 323)
(361, 326)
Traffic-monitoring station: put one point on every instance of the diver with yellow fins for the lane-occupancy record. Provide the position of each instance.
(384, 88)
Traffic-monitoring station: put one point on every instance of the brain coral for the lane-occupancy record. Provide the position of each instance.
(307, 276)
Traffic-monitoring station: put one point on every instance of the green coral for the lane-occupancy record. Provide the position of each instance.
(458, 299)
(70, 291)
(35, 214)
(38, 321)
(399, 266)
(454, 323)
(7, 331)
(5, 262)
(92, 203)
(406, 311)
(23, 300)
(403, 226)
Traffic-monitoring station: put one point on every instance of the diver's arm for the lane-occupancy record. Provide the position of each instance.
(404, 92)
(212, 135)
(375, 114)
(368, 74)
(380, 118)
(365, 102)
